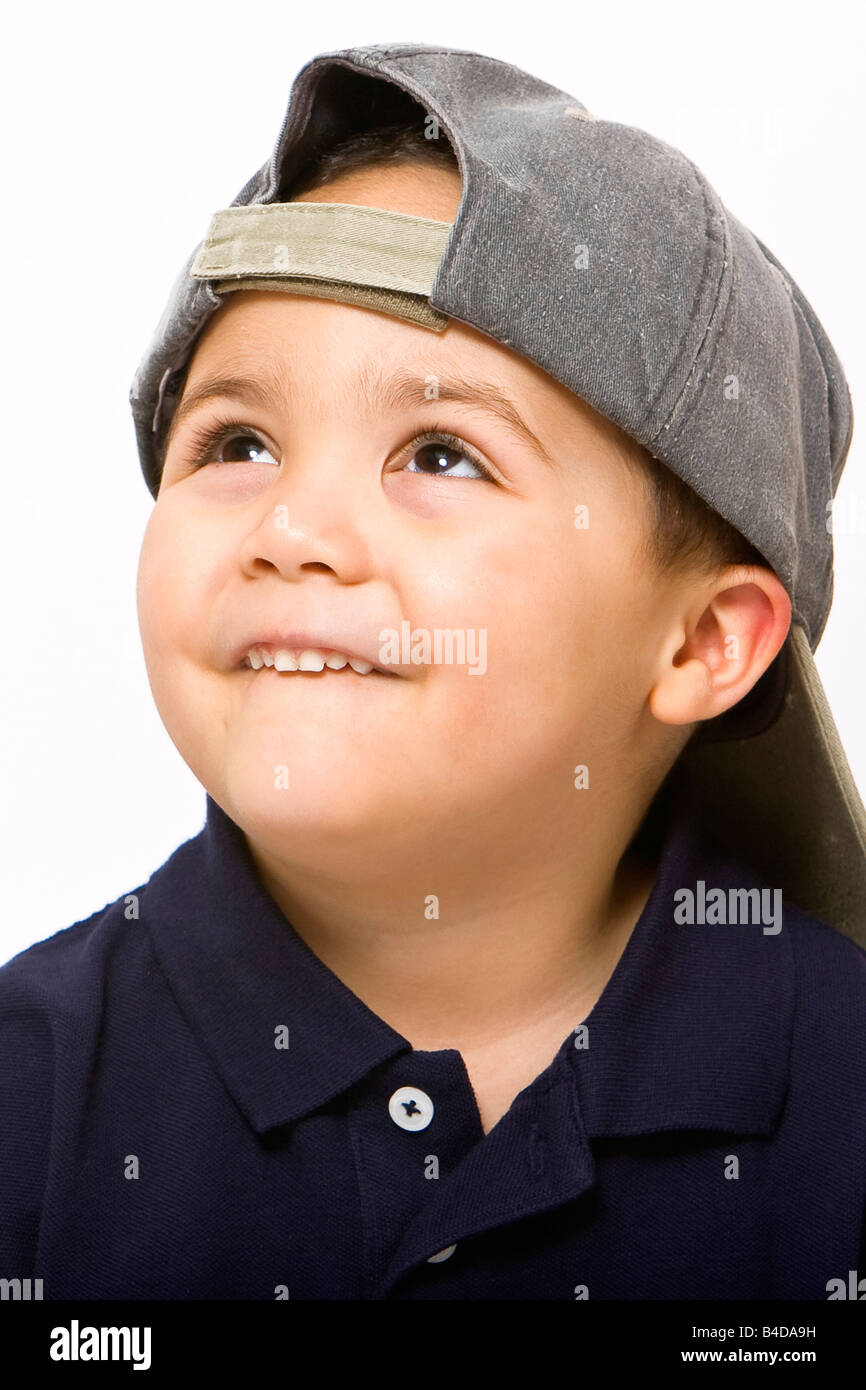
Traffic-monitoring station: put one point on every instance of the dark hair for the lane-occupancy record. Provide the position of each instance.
(686, 535)
(381, 144)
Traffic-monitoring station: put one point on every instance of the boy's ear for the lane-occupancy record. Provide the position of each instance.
(722, 645)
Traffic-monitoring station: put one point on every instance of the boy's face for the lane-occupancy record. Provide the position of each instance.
(323, 512)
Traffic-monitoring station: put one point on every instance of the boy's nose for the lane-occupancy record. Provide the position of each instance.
(313, 517)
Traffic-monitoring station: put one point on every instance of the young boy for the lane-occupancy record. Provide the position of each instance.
(521, 954)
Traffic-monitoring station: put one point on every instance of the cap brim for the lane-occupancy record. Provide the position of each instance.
(785, 801)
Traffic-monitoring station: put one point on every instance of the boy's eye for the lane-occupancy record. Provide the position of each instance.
(432, 451)
(217, 446)
(229, 443)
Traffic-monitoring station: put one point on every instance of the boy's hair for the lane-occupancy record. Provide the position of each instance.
(687, 536)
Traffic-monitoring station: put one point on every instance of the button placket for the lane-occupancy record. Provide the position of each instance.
(411, 1108)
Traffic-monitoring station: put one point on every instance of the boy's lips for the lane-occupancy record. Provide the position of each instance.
(348, 644)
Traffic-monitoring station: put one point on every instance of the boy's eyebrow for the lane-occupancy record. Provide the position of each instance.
(395, 392)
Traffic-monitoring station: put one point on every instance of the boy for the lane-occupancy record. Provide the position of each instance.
(488, 556)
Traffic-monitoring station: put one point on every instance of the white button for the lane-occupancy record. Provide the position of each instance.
(410, 1108)
(443, 1255)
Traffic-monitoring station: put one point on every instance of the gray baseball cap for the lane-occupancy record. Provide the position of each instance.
(602, 255)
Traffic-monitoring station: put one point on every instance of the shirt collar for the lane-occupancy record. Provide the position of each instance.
(695, 1026)
(693, 1029)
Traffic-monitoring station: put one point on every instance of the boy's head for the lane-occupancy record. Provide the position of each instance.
(606, 334)
(596, 592)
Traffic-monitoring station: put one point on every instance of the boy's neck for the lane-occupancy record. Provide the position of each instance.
(517, 964)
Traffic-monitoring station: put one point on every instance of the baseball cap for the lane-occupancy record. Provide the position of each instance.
(604, 256)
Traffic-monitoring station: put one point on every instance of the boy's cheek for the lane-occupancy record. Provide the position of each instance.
(147, 588)
(168, 582)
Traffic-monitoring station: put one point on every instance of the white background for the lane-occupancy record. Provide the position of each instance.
(124, 129)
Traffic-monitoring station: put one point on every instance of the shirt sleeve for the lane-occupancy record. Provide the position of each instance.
(26, 1106)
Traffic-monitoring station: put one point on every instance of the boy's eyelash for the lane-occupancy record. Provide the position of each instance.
(206, 439)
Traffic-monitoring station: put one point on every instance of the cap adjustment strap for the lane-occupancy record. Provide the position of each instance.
(370, 257)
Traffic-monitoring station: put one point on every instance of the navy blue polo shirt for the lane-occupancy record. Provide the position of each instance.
(193, 1106)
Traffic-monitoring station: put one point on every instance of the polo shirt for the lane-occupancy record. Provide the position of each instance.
(193, 1106)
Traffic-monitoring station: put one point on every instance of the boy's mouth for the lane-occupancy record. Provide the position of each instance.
(308, 660)
(310, 651)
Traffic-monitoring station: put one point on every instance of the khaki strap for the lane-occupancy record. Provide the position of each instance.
(368, 256)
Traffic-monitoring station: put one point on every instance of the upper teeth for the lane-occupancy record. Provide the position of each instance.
(307, 659)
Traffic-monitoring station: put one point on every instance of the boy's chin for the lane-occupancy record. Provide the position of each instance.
(286, 805)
